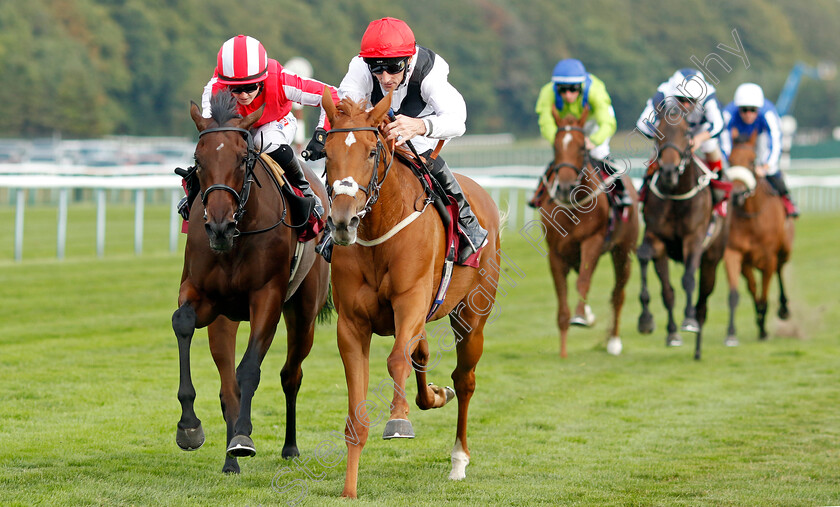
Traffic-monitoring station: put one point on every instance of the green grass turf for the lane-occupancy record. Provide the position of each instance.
(89, 374)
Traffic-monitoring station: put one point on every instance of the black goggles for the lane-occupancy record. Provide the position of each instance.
(563, 88)
(391, 66)
(247, 88)
(748, 109)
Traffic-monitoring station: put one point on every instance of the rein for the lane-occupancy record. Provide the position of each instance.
(242, 196)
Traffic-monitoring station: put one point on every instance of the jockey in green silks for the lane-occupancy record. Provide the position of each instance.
(571, 90)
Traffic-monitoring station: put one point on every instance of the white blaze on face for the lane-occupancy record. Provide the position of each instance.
(222, 145)
(566, 140)
(351, 139)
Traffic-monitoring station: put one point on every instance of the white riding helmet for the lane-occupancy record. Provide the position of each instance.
(749, 95)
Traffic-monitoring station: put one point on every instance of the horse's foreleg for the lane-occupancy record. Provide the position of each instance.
(732, 260)
(354, 348)
(264, 313)
(559, 272)
(590, 253)
(708, 273)
(689, 283)
(761, 301)
(784, 313)
(189, 436)
(621, 269)
(660, 263)
(409, 342)
(221, 335)
(646, 323)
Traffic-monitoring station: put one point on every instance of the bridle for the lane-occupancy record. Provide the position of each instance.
(240, 197)
(375, 184)
(686, 156)
(581, 174)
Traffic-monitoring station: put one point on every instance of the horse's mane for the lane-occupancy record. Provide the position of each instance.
(223, 107)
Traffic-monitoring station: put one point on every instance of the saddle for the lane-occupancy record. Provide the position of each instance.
(299, 205)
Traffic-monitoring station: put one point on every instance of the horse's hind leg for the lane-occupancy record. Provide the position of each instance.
(469, 351)
(189, 435)
(708, 273)
(221, 334)
(299, 314)
(429, 395)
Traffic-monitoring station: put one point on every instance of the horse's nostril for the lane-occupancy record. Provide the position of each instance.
(354, 222)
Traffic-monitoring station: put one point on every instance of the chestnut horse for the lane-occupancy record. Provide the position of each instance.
(677, 214)
(386, 274)
(237, 266)
(760, 236)
(576, 218)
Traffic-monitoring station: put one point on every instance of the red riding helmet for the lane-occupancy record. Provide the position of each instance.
(387, 38)
(242, 60)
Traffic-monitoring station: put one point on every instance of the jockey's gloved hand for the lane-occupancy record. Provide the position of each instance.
(315, 148)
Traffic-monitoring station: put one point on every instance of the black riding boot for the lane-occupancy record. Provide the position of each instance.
(619, 193)
(193, 189)
(285, 156)
(777, 181)
(475, 234)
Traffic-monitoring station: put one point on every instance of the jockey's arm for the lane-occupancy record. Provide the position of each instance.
(699, 139)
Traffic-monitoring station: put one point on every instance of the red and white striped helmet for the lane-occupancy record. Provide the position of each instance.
(242, 60)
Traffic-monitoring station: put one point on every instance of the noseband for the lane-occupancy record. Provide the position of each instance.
(372, 189)
(685, 155)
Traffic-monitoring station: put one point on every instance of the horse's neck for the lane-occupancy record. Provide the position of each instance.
(395, 202)
(759, 198)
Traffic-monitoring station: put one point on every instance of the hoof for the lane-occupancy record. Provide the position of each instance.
(398, 428)
(614, 346)
(673, 340)
(231, 466)
(731, 341)
(290, 452)
(241, 446)
(784, 314)
(690, 325)
(189, 439)
(585, 320)
(646, 324)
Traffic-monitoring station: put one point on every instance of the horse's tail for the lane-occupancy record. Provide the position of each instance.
(326, 312)
(503, 220)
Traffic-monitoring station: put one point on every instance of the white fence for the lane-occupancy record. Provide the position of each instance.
(510, 186)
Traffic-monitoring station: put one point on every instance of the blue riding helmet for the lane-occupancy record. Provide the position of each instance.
(569, 71)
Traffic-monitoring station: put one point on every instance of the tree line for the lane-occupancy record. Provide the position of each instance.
(87, 68)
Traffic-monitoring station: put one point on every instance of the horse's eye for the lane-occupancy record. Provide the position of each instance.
(372, 154)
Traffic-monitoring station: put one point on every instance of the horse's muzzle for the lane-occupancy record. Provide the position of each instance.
(343, 231)
(221, 235)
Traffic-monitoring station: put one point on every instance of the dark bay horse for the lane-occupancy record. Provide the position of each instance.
(385, 281)
(237, 266)
(677, 214)
(760, 236)
(576, 217)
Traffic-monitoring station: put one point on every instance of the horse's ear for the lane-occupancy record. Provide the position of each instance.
(734, 133)
(200, 121)
(753, 136)
(556, 114)
(328, 105)
(584, 116)
(377, 114)
(251, 118)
